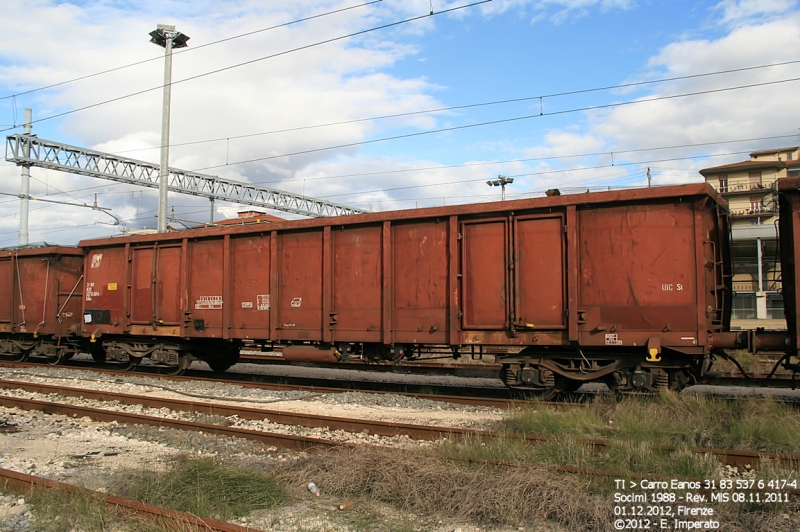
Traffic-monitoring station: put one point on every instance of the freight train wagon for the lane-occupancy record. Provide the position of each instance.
(625, 287)
(41, 289)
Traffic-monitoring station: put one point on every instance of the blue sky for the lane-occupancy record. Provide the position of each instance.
(499, 50)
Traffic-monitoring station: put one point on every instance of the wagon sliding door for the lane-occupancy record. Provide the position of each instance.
(155, 285)
(513, 277)
(539, 282)
(484, 266)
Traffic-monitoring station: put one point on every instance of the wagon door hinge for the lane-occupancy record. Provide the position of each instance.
(459, 236)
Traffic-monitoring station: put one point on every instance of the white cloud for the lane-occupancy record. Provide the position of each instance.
(746, 113)
(340, 81)
(738, 11)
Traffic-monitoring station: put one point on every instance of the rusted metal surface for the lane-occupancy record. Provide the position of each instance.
(539, 272)
(419, 299)
(639, 274)
(299, 299)
(108, 295)
(310, 353)
(205, 300)
(789, 206)
(357, 284)
(615, 268)
(250, 310)
(40, 290)
(24, 484)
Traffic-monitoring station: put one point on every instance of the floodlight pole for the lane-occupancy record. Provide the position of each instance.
(501, 181)
(165, 35)
(25, 193)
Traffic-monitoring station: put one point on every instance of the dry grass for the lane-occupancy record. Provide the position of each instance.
(428, 483)
(522, 495)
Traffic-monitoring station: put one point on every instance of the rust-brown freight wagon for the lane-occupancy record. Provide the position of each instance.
(40, 301)
(622, 286)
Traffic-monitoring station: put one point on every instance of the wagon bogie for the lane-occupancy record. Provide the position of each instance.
(172, 357)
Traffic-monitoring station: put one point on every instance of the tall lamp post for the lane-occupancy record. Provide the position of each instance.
(166, 36)
(25, 195)
(501, 181)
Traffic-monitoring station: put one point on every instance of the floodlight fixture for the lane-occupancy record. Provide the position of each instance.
(501, 181)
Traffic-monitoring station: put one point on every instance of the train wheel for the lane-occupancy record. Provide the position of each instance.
(58, 359)
(560, 386)
(540, 383)
(131, 364)
(13, 352)
(98, 353)
(219, 366)
(572, 386)
(21, 355)
(184, 361)
(680, 379)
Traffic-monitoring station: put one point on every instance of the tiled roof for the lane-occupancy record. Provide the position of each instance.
(746, 165)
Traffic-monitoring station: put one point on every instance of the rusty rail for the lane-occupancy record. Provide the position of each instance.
(472, 401)
(24, 484)
(267, 438)
(731, 457)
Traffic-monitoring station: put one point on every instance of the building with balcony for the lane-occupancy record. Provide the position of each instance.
(748, 188)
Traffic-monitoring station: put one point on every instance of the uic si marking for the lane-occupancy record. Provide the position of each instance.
(669, 287)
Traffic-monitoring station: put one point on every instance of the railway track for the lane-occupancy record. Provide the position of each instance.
(448, 394)
(737, 458)
(283, 441)
(24, 484)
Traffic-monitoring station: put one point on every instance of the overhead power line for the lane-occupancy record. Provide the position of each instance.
(501, 121)
(545, 172)
(535, 159)
(473, 105)
(252, 61)
(188, 50)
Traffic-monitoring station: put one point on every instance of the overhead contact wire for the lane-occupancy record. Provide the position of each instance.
(186, 50)
(501, 121)
(252, 61)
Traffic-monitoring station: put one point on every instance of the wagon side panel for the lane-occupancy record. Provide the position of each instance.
(419, 278)
(251, 298)
(638, 273)
(357, 284)
(103, 291)
(300, 298)
(7, 298)
(205, 298)
(540, 287)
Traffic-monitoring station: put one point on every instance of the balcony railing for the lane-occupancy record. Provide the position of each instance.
(762, 210)
(743, 187)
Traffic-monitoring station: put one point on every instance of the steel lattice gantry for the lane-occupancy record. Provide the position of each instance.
(71, 159)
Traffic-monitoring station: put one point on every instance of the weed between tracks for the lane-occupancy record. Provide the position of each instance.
(58, 511)
(430, 486)
(419, 488)
(202, 487)
(761, 425)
